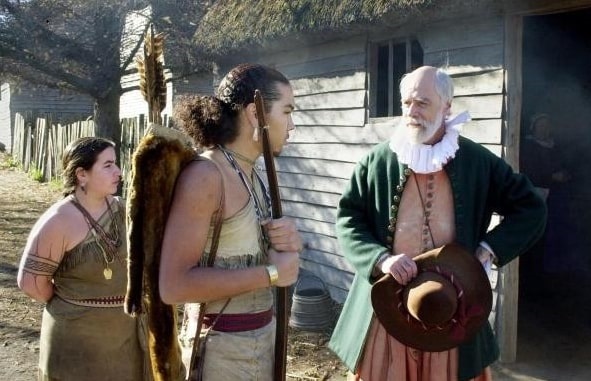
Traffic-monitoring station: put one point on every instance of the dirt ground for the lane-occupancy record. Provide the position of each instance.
(22, 200)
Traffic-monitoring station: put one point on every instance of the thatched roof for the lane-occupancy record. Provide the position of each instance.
(236, 24)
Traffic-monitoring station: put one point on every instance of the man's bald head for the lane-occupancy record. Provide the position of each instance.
(432, 76)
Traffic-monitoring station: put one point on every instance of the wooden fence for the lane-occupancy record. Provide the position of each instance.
(132, 130)
(39, 144)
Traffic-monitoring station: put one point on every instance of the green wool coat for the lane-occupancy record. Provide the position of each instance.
(481, 182)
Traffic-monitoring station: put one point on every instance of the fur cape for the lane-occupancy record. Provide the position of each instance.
(156, 163)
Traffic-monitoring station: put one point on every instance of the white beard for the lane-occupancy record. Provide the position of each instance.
(422, 158)
(422, 134)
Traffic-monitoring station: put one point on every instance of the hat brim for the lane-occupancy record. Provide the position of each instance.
(468, 273)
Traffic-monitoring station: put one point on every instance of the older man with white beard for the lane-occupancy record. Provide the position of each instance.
(425, 188)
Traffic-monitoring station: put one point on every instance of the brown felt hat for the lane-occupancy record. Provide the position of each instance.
(443, 306)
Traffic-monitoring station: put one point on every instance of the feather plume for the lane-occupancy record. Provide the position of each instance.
(150, 66)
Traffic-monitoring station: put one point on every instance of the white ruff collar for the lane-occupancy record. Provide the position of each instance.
(423, 158)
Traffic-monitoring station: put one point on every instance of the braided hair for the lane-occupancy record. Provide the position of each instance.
(211, 121)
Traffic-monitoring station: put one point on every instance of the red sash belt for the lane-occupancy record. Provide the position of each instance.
(238, 322)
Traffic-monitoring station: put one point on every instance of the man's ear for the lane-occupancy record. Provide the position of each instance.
(447, 110)
(251, 115)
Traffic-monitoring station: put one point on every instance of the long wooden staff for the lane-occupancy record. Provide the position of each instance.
(281, 316)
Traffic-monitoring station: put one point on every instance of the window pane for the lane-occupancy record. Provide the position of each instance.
(382, 82)
(398, 70)
(416, 55)
(392, 60)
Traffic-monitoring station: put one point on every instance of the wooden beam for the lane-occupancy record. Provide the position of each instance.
(507, 307)
(530, 7)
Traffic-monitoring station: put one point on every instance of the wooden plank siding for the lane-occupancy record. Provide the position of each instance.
(318, 167)
(465, 45)
(473, 53)
(60, 105)
(197, 84)
(310, 211)
(468, 60)
(63, 105)
(370, 133)
(329, 83)
(344, 81)
(350, 153)
(329, 117)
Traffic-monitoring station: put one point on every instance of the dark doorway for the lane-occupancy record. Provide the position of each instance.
(555, 277)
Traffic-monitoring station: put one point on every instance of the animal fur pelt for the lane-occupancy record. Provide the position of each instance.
(156, 163)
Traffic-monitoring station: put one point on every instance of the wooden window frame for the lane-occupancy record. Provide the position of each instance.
(373, 72)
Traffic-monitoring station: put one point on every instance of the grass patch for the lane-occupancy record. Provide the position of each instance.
(56, 184)
(36, 174)
(8, 161)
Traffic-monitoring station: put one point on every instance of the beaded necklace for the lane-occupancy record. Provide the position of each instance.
(108, 243)
(262, 211)
(240, 156)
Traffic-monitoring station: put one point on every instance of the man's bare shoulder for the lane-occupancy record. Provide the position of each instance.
(200, 186)
(202, 173)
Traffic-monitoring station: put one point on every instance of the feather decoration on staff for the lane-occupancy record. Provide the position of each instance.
(151, 70)
(156, 162)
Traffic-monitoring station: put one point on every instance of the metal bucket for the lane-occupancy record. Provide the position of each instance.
(312, 307)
